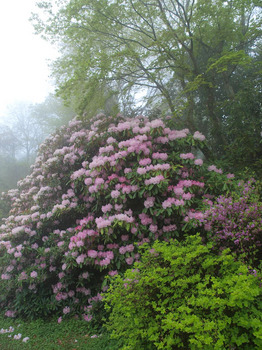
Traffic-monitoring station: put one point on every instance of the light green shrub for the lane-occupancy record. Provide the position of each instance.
(183, 296)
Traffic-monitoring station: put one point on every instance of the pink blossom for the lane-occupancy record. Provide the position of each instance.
(187, 156)
(17, 229)
(58, 296)
(79, 243)
(187, 196)
(88, 181)
(115, 194)
(145, 161)
(19, 247)
(111, 140)
(87, 318)
(157, 123)
(178, 191)
(112, 246)
(110, 255)
(153, 228)
(106, 149)
(129, 260)
(149, 202)
(198, 162)
(10, 268)
(113, 273)
(176, 134)
(17, 254)
(133, 230)
(99, 181)
(198, 136)
(168, 203)
(162, 156)
(124, 217)
(213, 168)
(179, 202)
(85, 275)
(130, 248)
(66, 310)
(186, 183)
(196, 215)
(162, 139)
(154, 180)
(23, 276)
(141, 171)
(80, 259)
(169, 228)
(122, 250)
(101, 222)
(124, 238)
(107, 208)
(104, 262)
(33, 274)
(5, 276)
(10, 313)
(145, 220)
(92, 253)
(61, 275)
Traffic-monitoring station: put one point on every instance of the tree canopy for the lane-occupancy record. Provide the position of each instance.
(198, 60)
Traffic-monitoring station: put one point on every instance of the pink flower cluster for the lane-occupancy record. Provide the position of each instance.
(172, 201)
(94, 195)
(215, 169)
(187, 156)
(154, 180)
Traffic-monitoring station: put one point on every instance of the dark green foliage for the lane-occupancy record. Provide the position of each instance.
(183, 296)
(4, 208)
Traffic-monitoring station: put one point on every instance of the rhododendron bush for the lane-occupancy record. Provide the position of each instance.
(97, 191)
(235, 222)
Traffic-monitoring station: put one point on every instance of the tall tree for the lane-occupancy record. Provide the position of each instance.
(26, 130)
(184, 55)
(51, 114)
(8, 142)
(11, 170)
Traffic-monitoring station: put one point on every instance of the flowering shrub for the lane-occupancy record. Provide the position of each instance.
(98, 190)
(184, 296)
(235, 222)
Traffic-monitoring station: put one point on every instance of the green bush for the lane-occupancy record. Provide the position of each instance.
(183, 296)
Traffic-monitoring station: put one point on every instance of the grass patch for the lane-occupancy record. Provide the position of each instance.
(71, 334)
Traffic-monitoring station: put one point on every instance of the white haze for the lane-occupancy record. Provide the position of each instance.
(24, 72)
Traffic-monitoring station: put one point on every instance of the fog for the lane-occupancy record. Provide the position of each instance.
(24, 57)
(25, 86)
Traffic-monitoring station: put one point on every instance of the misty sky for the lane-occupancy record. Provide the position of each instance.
(23, 60)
